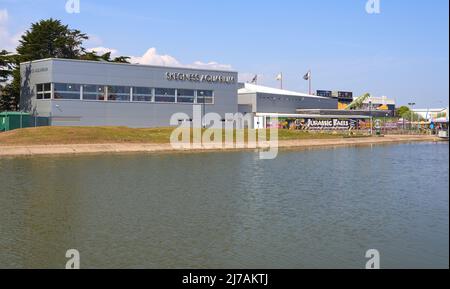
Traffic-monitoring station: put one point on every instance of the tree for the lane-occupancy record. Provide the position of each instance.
(407, 114)
(403, 110)
(5, 66)
(51, 39)
(45, 39)
(9, 81)
(93, 56)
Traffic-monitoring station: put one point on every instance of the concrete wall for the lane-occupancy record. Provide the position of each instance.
(111, 113)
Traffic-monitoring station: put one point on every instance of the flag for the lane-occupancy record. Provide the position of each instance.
(307, 76)
(280, 77)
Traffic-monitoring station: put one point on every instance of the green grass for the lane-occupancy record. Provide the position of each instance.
(99, 135)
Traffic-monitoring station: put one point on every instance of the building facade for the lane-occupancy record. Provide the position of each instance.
(261, 99)
(88, 93)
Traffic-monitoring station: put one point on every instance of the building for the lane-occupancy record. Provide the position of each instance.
(294, 109)
(432, 114)
(379, 104)
(88, 93)
(344, 98)
(260, 99)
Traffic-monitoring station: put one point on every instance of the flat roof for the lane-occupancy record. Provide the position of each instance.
(127, 64)
(312, 115)
(253, 88)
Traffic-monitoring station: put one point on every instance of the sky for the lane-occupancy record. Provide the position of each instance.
(400, 51)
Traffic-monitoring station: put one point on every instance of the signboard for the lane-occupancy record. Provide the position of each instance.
(327, 124)
(325, 93)
(345, 95)
(196, 77)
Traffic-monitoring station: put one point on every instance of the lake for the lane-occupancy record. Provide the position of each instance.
(306, 209)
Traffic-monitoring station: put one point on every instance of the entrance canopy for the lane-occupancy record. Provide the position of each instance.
(316, 116)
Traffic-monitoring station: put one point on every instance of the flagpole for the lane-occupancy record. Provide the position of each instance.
(310, 76)
(282, 80)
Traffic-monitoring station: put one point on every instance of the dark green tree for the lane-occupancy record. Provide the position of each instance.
(51, 39)
(403, 110)
(93, 56)
(5, 67)
(9, 81)
(45, 39)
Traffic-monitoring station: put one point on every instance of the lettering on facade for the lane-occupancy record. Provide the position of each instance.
(195, 77)
(40, 69)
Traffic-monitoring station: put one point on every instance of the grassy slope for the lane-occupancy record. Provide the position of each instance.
(96, 135)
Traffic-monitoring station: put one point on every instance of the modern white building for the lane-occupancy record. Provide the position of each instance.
(261, 99)
(432, 114)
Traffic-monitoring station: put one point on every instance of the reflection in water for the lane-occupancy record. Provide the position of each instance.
(306, 209)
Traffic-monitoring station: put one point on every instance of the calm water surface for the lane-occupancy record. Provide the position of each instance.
(306, 209)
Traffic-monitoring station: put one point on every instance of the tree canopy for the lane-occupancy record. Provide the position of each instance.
(45, 39)
(51, 39)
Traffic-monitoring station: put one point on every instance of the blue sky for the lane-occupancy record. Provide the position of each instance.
(402, 53)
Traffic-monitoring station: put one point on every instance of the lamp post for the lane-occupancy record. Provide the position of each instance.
(385, 123)
(412, 104)
(202, 93)
(371, 118)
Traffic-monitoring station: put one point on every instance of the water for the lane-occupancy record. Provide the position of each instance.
(306, 209)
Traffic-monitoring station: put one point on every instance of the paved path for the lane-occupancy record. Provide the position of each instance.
(33, 150)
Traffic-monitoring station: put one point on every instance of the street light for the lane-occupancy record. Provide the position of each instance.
(371, 118)
(412, 104)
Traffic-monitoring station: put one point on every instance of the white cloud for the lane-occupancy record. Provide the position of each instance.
(151, 57)
(102, 50)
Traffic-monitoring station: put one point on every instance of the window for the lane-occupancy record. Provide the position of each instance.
(205, 96)
(185, 96)
(119, 93)
(44, 91)
(67, 91)
(93, 92)
(164, 95)
(142, 94)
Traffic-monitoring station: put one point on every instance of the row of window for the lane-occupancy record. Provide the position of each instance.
(122, 93)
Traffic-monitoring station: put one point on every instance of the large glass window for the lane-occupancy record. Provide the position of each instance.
(93, 92)
(185, 96)
(67, 91)
(205, 96)
(142, 94)
(119, 93)
(164, 95)
(44, 91)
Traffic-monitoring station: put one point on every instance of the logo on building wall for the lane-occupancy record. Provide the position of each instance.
(195, 77)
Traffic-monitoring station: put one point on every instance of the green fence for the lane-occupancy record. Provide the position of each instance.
(15, 120)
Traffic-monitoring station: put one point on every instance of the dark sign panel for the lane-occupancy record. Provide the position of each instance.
(345, 94)
(325, 93)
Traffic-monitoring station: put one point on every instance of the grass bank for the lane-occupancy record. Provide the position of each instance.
(103, 135)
